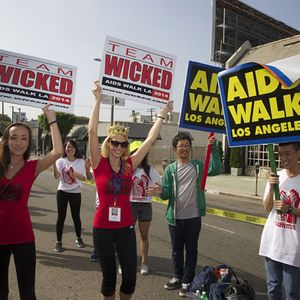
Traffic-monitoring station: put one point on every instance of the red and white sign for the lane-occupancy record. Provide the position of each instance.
(32, 81)
(136, 73)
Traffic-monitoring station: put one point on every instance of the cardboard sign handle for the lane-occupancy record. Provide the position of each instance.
(206, 163)
(274, 170)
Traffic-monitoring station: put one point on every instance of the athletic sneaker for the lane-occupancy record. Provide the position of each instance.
(184, 290)
(173, 284)
(119, 270)
(58, 247)
(93, 258)
(145, 270)
(79, 242)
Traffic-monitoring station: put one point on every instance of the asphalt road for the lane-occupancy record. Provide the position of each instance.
(70, 274)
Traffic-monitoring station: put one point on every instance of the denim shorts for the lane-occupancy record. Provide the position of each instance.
(141, 211)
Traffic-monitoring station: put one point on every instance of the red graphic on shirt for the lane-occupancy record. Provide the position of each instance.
(140, 186)
(66, 175)
(290, 198)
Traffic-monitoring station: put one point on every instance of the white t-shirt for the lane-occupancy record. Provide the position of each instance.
(65, 167)
(280, 239)
(141, 182)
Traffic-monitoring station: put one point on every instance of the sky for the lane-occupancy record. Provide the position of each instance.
(73, 32)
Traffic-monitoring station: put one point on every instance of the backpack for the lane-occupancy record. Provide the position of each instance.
(210, 275)
(238, 289)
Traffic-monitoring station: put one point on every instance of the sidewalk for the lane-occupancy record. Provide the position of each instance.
(241, 186)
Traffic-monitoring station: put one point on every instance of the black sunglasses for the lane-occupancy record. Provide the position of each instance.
(115, 144)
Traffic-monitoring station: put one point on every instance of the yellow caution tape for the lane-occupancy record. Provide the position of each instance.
(227, 214)
(236, 216)
(217, 212)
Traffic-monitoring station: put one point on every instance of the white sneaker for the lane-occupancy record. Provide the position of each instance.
(119, 270)
(145, 270)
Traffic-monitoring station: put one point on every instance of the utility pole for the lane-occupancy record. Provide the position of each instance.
(19, 115)
(113, 100)
(12, 113)
(151, 113)
(112, 110)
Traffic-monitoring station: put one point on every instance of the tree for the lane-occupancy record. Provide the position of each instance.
(4, 122)
(237, 157)
(65, 123)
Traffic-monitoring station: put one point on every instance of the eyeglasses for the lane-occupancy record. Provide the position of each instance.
(184, 147)
(116, 144)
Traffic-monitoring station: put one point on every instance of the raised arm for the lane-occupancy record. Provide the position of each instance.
(139, 155)
(93, 126)
(55, 172)
(57, 150)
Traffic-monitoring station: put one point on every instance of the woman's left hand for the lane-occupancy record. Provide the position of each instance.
(50, 114)
(154, 190)
(168, 108)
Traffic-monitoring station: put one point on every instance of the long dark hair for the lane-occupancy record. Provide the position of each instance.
(4, 150)
(146, 166)
(77, 153)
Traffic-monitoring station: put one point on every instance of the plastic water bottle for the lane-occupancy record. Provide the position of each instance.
(204, 296)
(193, 296)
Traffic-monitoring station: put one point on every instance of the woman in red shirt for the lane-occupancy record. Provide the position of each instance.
(113, 222)
(17, 174)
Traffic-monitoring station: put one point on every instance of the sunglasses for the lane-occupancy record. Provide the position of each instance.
(115, 144)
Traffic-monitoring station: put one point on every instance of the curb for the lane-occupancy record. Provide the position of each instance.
(247, 197)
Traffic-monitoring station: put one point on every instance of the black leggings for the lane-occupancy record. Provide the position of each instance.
(62, 203)
(122, 241)
(24, 256)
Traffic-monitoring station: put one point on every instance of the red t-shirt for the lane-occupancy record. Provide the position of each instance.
(15, 223)
(104, 182)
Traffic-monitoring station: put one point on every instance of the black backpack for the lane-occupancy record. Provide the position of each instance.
(238, 289)
(210, 275)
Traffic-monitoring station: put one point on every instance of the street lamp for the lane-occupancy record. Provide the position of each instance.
(113, 100)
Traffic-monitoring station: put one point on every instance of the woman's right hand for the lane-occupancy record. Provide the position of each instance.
(97, 91)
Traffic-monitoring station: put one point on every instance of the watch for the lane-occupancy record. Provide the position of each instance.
(289, 209)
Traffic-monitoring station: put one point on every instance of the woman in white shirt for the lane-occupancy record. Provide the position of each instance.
(70, 170)
(144, 176)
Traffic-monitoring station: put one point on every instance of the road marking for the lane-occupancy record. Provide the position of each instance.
(219, 228)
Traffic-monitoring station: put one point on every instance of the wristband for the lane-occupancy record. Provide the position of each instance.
(52, 123)
(161, 117)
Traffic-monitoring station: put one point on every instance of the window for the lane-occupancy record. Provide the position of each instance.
(260, 154)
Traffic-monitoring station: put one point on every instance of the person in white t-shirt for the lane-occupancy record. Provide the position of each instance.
(280, 240)
(144, 176)
(70, 170)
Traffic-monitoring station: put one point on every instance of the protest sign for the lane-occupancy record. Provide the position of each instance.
(32, 81)
(260, 105)
(201, 106)
(136, 73)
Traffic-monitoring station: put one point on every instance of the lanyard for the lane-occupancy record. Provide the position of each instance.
(116, 180)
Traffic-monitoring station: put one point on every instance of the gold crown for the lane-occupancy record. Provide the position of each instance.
(117, 128)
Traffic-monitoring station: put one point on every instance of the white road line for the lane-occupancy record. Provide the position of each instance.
(222, 229)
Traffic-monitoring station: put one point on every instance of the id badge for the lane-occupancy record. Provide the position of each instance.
(114, 214)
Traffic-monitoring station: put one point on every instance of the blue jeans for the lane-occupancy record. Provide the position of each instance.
(185, 234)
(277, 273)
